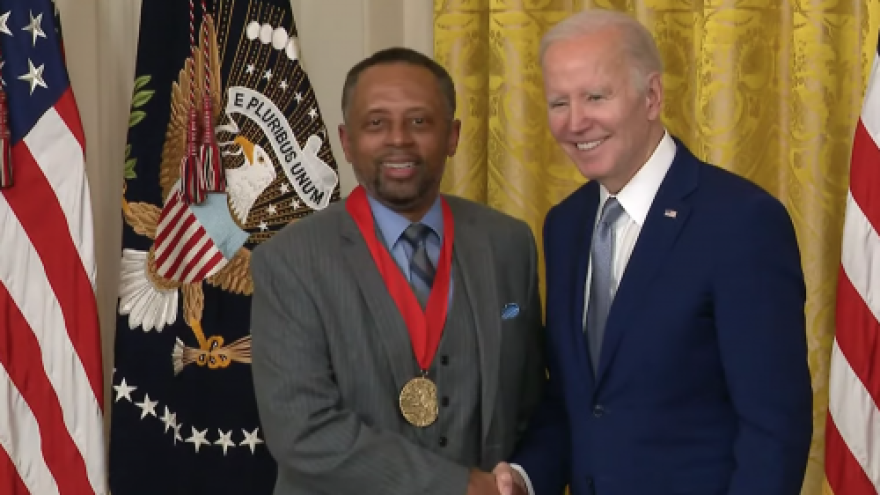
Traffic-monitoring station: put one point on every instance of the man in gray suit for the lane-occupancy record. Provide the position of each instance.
(396, 335)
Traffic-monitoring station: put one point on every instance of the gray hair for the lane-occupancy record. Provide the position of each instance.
(637, 43)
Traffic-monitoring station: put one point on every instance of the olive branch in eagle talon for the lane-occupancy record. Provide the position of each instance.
(150, 299)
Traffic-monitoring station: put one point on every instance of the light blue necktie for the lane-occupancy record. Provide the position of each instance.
(420, 266)
(602, 259)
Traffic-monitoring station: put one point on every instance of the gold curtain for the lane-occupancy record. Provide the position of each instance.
(770, 89)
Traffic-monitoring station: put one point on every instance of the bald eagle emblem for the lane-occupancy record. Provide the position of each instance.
(246, 183)
(270, 182)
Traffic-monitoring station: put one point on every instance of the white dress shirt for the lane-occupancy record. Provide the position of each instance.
(636, 198)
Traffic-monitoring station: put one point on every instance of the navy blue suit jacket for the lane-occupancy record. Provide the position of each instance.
(703, 385)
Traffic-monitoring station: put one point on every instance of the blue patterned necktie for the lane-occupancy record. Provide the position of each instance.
(602, 259)
(420, 266)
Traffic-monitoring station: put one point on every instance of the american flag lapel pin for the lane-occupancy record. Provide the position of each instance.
(670, 213)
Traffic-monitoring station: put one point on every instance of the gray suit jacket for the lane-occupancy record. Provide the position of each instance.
(327, 347)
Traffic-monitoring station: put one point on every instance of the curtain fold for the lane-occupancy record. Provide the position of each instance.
(769, 89)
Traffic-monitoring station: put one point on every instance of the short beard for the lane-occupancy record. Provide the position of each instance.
(405, 202)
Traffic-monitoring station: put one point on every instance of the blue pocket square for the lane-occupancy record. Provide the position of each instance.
(510, 310)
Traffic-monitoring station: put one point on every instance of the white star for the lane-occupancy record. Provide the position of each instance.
(123, 390)
(250, 68)
(263, 226)
(3, 82)
(283, 85)
(170, 419)
(225, 440)
(271, 209)
(251, 439)
(313, 113)
(295, 204)
(298, 97)
(3, 20)
(198, 438)
(268, 75)
(284, 188)
(34, 27)
(34, 76)
(147, 406)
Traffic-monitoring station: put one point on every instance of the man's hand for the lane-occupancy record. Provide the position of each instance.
(481, 483)
(509, 480)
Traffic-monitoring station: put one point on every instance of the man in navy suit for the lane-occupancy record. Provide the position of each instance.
(675, 299)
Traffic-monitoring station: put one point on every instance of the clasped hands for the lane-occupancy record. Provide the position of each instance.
(503, 480)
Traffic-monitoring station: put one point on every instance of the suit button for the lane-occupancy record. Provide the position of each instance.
(598, 411)
(442, 441)
(444, 401)
(444, 360)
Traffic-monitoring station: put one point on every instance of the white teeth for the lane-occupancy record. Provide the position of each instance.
(398, 165)
(589, 145)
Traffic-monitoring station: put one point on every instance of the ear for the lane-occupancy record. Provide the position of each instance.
(344, 141)
(654, 95)
(454, 134)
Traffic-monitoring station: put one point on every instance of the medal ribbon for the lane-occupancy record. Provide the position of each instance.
(425, 327)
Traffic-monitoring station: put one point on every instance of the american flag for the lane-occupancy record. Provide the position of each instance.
(852, 452)
(51, 400)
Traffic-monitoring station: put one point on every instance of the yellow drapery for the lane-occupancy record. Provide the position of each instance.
(770, 89)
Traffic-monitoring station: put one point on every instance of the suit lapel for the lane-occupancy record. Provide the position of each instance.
(390, 326)
(583, 238)
(667, 216)
(473, 254)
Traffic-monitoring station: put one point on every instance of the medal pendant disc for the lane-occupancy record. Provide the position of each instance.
(418, 402)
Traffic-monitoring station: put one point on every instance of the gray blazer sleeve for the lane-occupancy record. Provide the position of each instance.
(313, 439)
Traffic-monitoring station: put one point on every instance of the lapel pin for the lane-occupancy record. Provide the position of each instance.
(670, 213)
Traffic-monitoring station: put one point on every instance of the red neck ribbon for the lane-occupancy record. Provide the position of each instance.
(425, 327)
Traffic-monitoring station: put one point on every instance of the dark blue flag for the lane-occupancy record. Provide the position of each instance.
(226, 146)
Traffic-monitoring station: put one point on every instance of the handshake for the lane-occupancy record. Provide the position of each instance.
(503, 480)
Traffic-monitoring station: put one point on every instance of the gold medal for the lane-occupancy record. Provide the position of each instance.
(418, 402)
(418, 398)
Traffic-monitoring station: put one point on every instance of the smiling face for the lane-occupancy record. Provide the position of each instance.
(599, 111)
(397, 136)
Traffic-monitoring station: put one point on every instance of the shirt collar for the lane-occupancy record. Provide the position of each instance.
(638, 194)
(392, 224)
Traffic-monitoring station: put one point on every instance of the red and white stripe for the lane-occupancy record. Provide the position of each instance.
(852, 453)
(184, 250)
(51, 385)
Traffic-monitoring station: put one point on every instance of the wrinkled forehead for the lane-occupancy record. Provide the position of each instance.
(585, 68)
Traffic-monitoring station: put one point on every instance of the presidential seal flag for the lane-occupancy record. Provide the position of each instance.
(51, 383)
(226, 146)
